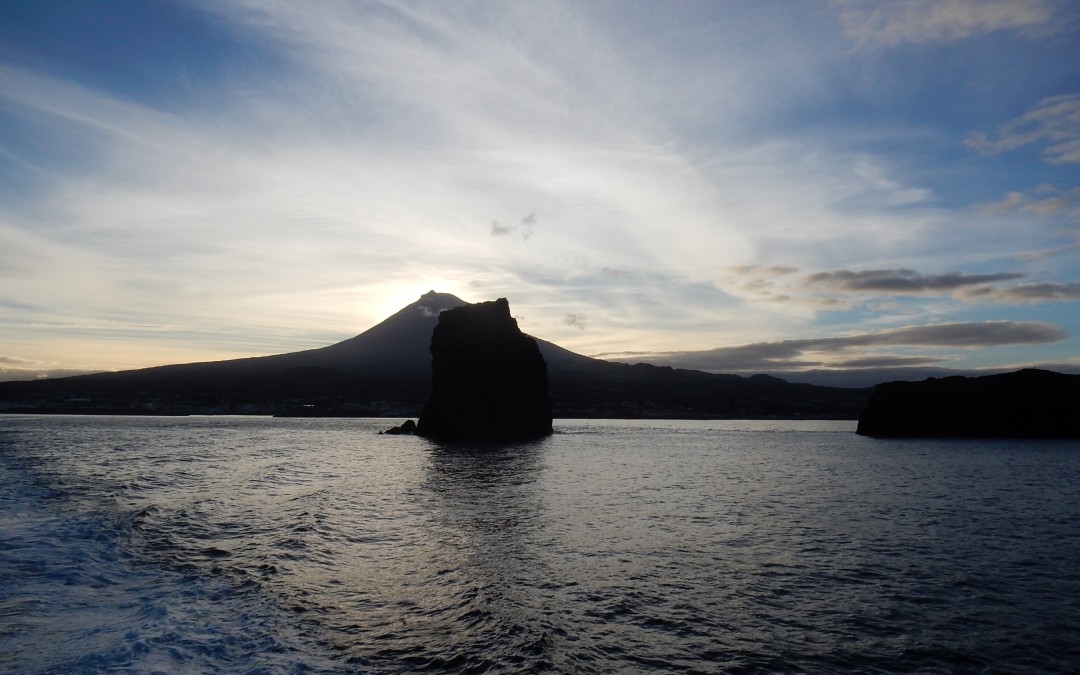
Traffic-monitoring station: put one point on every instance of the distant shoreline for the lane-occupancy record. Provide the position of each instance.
(136, 413)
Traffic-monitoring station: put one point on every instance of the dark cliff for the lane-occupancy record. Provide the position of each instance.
(1024, 404)
(488, 379)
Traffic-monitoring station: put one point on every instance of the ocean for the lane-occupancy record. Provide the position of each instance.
(262, 545)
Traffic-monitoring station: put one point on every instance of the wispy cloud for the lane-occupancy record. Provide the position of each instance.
(693, 174)
(575, 320)
(297, 198)
(761, 282)
(1010, 202)
(1058, 207)
(1027, 293)
(21, 374)
(1048, 252)
(1046, 201)
(869, 22)
(13, 368)
(1054, 122)
(524, 228)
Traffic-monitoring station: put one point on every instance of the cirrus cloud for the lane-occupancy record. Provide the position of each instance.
(926, 21)
(1054, 121)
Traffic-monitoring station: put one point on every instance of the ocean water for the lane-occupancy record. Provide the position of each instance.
(258, 545)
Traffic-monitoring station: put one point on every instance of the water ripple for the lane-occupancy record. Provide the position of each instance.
(258, 545)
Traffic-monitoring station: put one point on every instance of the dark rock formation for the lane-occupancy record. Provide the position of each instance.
(488, 379)
(408, 427)
(1024, 404)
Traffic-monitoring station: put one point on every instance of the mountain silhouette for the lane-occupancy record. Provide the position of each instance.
(386, 370)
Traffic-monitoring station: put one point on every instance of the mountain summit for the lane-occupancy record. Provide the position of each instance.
(399, 342)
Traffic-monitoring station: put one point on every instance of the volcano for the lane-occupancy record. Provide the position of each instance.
(386, 371)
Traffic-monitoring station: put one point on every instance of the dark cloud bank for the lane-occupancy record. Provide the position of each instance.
(903, 281)
(802, 359)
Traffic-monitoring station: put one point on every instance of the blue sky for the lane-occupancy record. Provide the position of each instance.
(736, 186)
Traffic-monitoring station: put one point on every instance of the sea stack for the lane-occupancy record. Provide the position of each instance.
(488, 379)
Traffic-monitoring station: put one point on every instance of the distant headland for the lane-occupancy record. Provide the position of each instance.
(1027, 403)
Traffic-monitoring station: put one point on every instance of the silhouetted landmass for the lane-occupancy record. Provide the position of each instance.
(386, 372)
(1027, 403)
(488, 379)
(408, 427)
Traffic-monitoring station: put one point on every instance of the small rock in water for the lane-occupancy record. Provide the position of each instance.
(409, 427)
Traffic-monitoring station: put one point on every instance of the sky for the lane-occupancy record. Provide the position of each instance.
(737, 186)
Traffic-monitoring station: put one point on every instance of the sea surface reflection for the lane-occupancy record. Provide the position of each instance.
(262, 545)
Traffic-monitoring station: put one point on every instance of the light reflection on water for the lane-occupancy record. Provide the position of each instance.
(238, 544)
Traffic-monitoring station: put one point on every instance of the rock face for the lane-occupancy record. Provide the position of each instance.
(488, 379)
(1028, 403)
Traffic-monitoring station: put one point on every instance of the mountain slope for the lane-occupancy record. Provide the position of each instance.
(390, 362)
